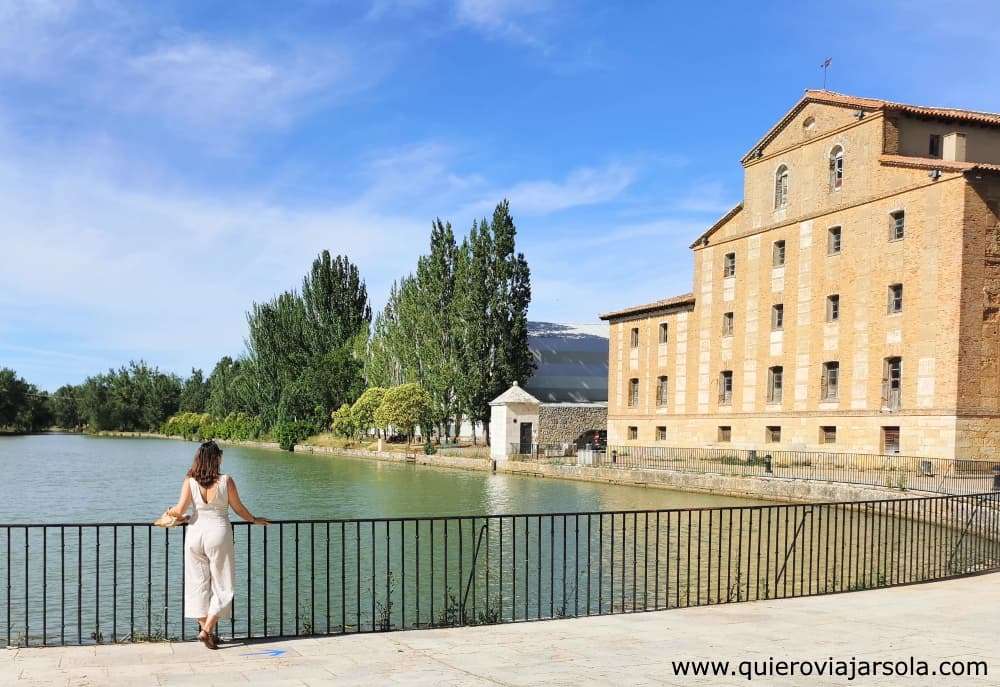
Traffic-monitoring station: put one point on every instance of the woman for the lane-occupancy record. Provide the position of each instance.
(208, 547)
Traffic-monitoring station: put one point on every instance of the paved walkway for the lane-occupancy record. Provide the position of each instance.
(955, 620)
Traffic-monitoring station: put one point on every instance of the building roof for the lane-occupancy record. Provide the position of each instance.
(936, 163)
(571, 362)
(872, 105)
(515, 394)
(722, 220)
(675, 301)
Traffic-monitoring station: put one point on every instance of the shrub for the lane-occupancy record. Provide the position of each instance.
(343, 422)
(404, 407)
(364, 409)
(288, 433)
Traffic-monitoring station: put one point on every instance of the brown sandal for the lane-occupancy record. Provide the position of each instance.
(208, 639)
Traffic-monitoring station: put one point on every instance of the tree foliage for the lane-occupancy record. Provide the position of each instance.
(23, 407)
(458, 326)
(363, 410)
(404, 408)
(301, 360)
(195, 392)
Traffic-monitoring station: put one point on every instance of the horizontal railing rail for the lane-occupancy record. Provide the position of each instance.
(107, 582)
(933, 475)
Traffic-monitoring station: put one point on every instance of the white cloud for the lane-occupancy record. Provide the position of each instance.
(583, 186)
(216, 84)
(507, 19)
(114, 59)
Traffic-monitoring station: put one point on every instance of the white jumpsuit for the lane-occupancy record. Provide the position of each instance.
(208, 555)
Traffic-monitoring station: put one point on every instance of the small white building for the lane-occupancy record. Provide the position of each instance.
(520, 424)
(513, 420)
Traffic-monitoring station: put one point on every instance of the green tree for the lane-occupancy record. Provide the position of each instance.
(432, 321)
(135, 397)
(194, 395)
(13, 397)
(494, 283)
(65, 407)
(404, 408)
(343, 422)
(301, 360)
(224, 395)
(363, 410)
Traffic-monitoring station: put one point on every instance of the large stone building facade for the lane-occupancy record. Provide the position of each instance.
(851, 302)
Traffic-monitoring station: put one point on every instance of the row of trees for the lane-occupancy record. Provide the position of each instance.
(23, 407)
(458, 326)
(451, 337)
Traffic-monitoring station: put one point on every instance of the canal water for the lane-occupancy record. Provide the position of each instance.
(390, 558)
(371, 546)
(80, 479)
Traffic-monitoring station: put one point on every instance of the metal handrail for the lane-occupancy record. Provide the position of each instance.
(77, 583)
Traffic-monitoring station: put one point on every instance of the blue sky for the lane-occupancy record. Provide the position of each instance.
(163, 165)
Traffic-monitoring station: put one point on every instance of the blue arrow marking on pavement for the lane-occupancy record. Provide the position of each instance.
(270, 653)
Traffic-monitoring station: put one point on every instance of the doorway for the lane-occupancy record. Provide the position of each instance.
(525, 438)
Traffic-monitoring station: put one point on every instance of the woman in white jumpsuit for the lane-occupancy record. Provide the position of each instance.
(208, 547)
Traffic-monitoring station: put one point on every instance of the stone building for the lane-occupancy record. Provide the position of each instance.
(850, 302)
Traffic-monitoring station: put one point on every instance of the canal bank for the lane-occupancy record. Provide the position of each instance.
(753, 487)
(639, 649)
(767, 488)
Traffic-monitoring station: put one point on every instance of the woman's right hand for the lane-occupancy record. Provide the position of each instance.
(261, 521)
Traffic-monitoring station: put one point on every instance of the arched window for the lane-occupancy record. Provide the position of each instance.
(781, 187)
(836, 168)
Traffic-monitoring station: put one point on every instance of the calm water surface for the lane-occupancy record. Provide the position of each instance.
(74, 478)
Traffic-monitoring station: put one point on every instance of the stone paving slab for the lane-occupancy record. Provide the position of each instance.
(954, 620)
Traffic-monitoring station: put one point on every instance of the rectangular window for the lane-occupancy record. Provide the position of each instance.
(895, 299)
(897, 228)
(663, 332)
(729, 265)
(890, 440)
(726, 387)
(634, 338)
(777, 316)
(778, 254)
(661, 391)
(833, 241)
(892, 383)
(633, 433)
(934, 145)
(775, 384)
(725, 433)
(633, 393)
(833, 308)
(772, 434)
(661, 433)
(828, 435)
(727, 324)
(831, 380)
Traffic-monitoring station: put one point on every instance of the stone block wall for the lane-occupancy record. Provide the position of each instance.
(559, 423)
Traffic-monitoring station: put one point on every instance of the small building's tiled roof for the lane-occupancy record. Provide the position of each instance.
(515, 394)
(872, 105)
(684, 299)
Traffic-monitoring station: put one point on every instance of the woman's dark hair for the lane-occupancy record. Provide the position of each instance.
(205, 468)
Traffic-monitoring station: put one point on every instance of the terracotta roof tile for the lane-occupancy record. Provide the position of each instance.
(932, 163)
(872, 104)
(683, 299)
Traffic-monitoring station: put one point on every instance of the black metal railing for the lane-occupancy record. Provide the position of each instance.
(91, 583)
(548, 450)
(933, 475)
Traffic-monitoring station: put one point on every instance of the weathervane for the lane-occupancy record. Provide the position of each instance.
(824, 67)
